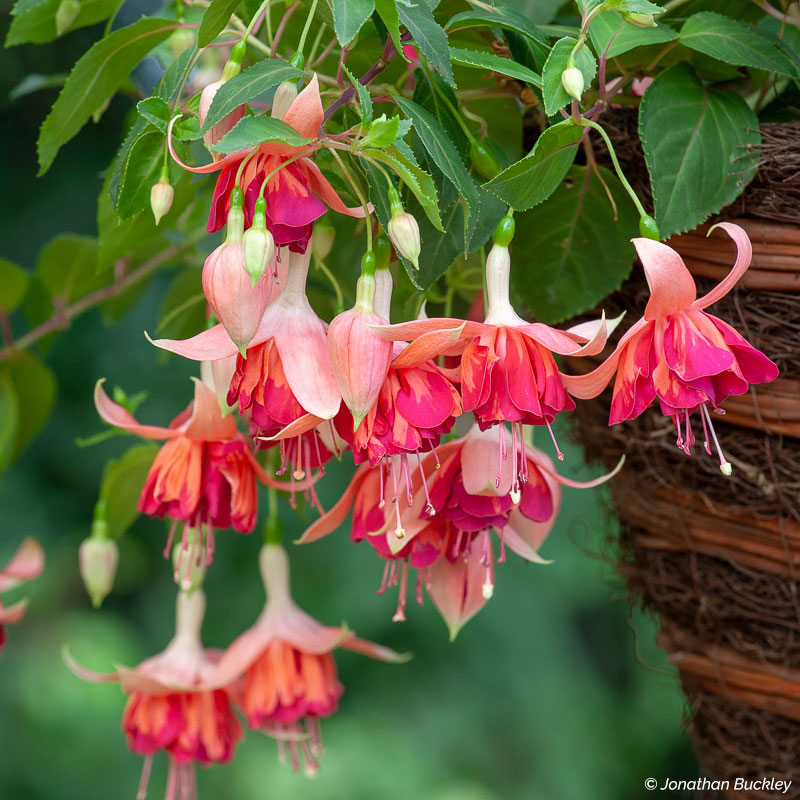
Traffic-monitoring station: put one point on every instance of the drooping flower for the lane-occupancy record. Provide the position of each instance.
(296, 195)
(238, 302)
(417, 403)
(682, 355)
(174, 705)
(508, 369)
(285, 384)
(289, 679)
(444, 532)
(26, 564)
(359, 356)
(204, 474)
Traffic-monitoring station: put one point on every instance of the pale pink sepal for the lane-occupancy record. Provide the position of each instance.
(671, 284)
(10, 615)
(428, 346)
(116, 415)
(208, 345)
(565, 343)
(322, 188)
(300, 426)
(214, 166)
(744, 255)
(26, 563)
(305, 114)
(457, 589)
(207, 423)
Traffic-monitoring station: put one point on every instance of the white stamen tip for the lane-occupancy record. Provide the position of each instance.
(298, 474)
(726, 469)
(516, 496)
(487, 590)
(400, 533)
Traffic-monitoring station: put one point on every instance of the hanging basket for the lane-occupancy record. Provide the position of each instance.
(718, 559)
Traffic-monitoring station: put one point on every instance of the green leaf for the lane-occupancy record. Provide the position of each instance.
(498, 17)
(364, 100)
(580, 250)
(383, 131)
(250, 83)
(526, 51)
(429, 36)
(555, 96)
(66, 267)
(734, 43)
(418, 181)
(609, 30)
(94, 79)
(535, 177)
(183, 311)
(9, 419)
(122, 484)
(156, 111)
(34, 83)
(215, 18)
(633, 6)
(35, 390)
(505, 66)
(34, 21)
(252, 131)
(142, 170)
(13, 285)
(701, 147)
(349, 16)
(444, 154)
(387, 11)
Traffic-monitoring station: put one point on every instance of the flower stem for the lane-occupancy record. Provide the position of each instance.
(358, 192)
(302, 43)
(583, 122)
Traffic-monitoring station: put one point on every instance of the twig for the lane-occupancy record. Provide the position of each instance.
(64, 314)
(287, 15)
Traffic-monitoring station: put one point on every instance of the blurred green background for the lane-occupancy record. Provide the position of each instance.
(553, 691)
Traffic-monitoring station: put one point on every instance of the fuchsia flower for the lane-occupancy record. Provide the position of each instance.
(204, 475)
(175, 706)
(296, 195)
(25, 565)
(417, 402)
(285, 660)
(444, 531)
(688, 359)
(508, 372)
(285, 383)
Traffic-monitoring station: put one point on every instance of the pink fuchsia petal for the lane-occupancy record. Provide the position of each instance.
(550, 472)
(319, 184)
(305, 114)
(379, 652)
(524, 536)
(117, 416)
(479, 462)
(744, 255)
(208, 345)
(331, 520)
(457, 588)
(428, 346)
(214, 166)
(587, 386)
(566, 343)
(752, 363)
(694, 348)
(671, 284)
(27, 563)
(300, 426)
(207, 422)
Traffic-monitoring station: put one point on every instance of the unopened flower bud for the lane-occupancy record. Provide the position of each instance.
(649, 228)
(180, 41)
(189, 559)
(258, 245)
(97, 558)
(572, 81)
(403, 230)
(484, 160)
(66, 14)
(324, 236)
(285, 95)
(161, 196)
(639, 20)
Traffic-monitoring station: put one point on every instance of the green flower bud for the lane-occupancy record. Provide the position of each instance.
(484, 161)
(97, 558)
(648, 228)
(504, 232)
(572, 81)
(258, 245)
(403, 230)
(161, 196)
(66, 14)
(639, 20)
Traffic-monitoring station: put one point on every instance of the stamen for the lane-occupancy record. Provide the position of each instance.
(677, 421)
(400, 614)
(298, 473)
(418, 588)
(141, 792)
(393, 575)
(706, 445)
(382, 502)
(399, 532)
(172, 781)
(407, 475)
(168, 548)
(385, 576)
(210, 544)
(321, 468)
(436, 456)
(555, 443)
(315, 735)
(502, 557)
(724, 465)
(429, 509)
(282, 450)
